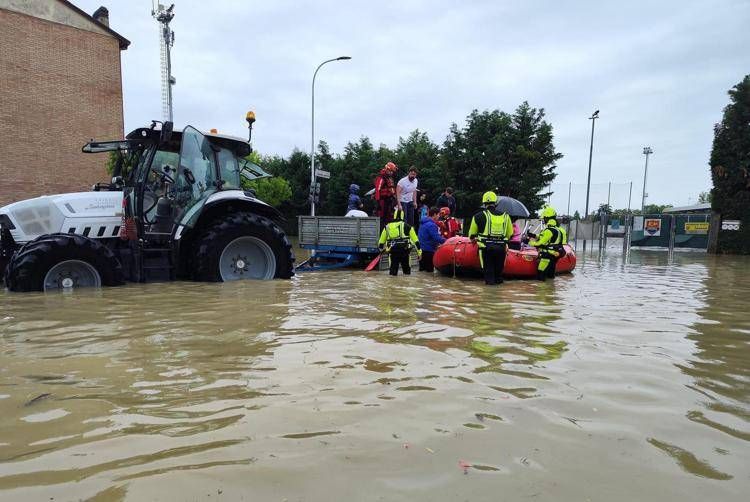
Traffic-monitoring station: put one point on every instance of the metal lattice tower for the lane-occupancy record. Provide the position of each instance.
(166, 40)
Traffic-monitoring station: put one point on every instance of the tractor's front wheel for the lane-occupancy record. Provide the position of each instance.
(242, 246)
(62, 262)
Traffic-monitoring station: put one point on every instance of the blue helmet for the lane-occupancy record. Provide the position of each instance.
(353, 188)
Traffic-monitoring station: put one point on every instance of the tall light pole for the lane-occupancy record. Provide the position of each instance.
(312, 135)
(646, 151)
(592, 118)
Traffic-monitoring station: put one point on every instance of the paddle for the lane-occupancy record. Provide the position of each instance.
(374, 263)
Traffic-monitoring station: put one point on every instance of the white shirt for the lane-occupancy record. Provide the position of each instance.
(407, 189)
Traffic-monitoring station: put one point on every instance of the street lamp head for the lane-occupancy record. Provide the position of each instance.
(647, 150)
(594, 115)
(343, 58)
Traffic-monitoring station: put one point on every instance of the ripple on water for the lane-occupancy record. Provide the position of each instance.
(646, 361)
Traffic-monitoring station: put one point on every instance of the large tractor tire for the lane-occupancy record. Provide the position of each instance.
(242, 246)
(62, 262)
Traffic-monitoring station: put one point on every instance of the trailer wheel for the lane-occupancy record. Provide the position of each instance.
(62, 262)
(242, 246)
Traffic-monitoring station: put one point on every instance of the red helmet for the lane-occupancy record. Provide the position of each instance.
(445, 211)
(390, 166)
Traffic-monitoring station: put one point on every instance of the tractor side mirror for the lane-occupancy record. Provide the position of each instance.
(166, 131)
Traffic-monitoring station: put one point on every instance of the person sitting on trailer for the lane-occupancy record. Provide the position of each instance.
(491, 231)
(355, 201)
(397, 239)
(550, 244)
(449, 226)
(430, 239)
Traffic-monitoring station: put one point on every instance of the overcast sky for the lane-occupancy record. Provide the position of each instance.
(658, 71)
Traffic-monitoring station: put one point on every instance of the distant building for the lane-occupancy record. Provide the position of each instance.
(60, 85)
(695, 208)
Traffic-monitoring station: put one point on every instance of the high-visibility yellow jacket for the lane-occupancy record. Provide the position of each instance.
(550, 237)
(488, 226)
(397, 233)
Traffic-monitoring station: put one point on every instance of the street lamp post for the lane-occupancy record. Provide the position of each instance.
(312, 135)
(646, 151)
(592, 118)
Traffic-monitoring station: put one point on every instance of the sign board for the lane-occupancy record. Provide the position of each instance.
(637, 223)
(730, 224)
(696, 227)
(652, 227)
(323, 174)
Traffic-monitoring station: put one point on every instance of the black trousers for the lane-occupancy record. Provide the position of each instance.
(425, 263)
(547, 264)
(399, 256)
(493, 263)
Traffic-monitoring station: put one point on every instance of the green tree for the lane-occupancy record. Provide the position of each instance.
(730, 168)
(653, 209)
(704, 198)
(512, 154)
(576, 215)
(272, 191)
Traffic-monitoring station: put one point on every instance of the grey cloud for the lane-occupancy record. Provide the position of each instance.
(658, 71)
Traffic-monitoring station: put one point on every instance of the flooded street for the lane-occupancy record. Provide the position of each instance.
(616, 383)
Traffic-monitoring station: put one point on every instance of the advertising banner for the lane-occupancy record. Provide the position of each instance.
(696, 228)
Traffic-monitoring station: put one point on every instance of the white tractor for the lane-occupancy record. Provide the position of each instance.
(175, 209)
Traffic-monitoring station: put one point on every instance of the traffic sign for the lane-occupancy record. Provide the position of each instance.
(323, 174)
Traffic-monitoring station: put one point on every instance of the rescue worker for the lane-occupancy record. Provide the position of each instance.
(549, 243)
(385, 193)
(491, 231)
(397, 239)
(449, 226)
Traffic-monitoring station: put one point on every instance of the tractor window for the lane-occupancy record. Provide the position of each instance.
(196, 178)
(252, 171)
(228, 169)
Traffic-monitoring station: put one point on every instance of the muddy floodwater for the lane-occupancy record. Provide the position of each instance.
(617, 383)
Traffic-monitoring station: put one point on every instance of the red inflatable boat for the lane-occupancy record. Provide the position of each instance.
(464, 255)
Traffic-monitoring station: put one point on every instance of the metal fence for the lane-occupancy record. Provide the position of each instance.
(668, 231)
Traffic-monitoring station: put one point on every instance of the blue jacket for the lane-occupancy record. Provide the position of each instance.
(355, 202)
(429, 235)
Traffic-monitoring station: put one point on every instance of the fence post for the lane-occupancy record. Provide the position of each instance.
(713, 233)
(672, 231)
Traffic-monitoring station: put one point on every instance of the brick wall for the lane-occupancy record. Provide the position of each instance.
(59, 87)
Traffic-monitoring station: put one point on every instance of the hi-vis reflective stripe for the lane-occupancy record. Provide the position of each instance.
(400, 229)
(489, 230)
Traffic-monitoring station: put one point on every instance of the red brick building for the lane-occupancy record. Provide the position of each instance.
(60, 85)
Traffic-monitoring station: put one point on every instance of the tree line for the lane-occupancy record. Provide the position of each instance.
(512, 153)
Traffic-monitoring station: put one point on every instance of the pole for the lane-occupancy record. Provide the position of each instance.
(609, 191)
(592, 118)
(646, 151)
(570, 187)
(312, 134)
(630, 195)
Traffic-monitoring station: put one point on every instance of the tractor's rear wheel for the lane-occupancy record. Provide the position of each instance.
(242, 246)
(66, 262)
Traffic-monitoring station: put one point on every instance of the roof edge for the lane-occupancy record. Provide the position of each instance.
(124, 42)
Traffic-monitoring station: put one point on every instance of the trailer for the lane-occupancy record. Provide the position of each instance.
(338, 242)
